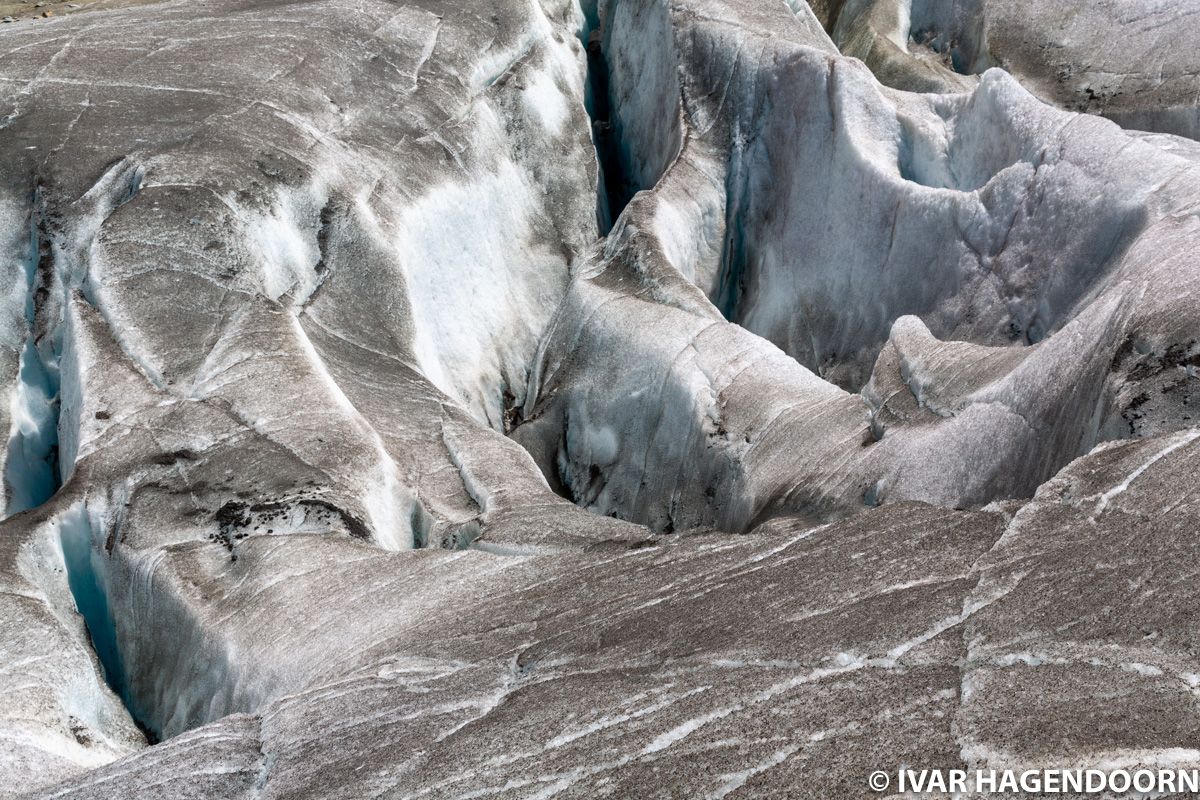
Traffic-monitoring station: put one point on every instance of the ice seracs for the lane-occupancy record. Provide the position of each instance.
(818, 228)
(546, 399)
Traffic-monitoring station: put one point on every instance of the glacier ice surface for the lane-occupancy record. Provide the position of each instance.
(600, 398)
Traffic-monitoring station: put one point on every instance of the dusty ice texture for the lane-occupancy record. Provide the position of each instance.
(793, 658)
(343, 448)
(1132, 62)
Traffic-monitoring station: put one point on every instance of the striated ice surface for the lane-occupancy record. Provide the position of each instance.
(559, 398)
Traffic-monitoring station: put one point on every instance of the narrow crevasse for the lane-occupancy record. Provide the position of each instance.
(86, 542)
(31, 473)
(613, 189)
(36, 465)
(632, 96)
(55, 265)
(731, 285)
(85, 579)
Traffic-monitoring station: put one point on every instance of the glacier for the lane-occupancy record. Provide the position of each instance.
(595, 398)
